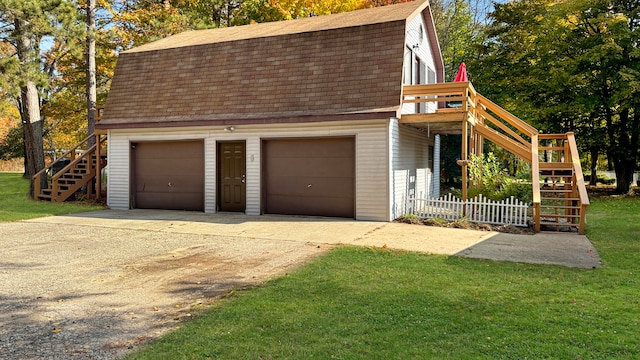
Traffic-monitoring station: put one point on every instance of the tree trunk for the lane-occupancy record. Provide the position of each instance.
(91, 69)
(30, 108)
(624, 175)
(594, 166)
(30, 114)
(625, 153)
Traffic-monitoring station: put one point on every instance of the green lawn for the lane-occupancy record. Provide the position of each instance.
(16, 205)
(358, 303)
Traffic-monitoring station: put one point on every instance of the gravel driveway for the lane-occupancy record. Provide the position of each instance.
(98, 284)
(87, 292)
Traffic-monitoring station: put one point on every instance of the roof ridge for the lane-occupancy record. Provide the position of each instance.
(361, 17)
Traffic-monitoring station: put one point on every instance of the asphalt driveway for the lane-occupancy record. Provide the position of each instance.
(95, 285)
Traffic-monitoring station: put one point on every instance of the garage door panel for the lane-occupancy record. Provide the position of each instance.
(296, 148)
(314, 176)
(171, 201)
(183, 167)
(168, 186)
(170, 150)
(313, 166)
(312, 206)
(299, 186)
(169, 175)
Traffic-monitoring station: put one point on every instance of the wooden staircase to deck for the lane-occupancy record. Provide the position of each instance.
(559, 203)
(563, 198)
(81, 171)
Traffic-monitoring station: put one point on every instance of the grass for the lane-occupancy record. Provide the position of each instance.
(358, 303)
(16, 205)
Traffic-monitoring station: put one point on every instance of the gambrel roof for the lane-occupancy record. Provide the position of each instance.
(333, 67)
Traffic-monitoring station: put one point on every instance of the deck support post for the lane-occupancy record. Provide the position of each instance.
(98, 168)
(464, 157)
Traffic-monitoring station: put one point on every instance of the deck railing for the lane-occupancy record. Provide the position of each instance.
(443, 94)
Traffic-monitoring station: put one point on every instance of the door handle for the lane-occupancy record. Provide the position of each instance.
(244, 180)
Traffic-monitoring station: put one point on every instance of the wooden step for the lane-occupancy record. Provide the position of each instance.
(550, 148)
(556, 166)
(559, 207)
(72, 176)
(558, 216)
(554, 199)
(556, 191)
(553, 223)
(555, 186)
(568, 228)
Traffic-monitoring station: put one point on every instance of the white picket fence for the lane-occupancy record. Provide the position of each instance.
(479, 209)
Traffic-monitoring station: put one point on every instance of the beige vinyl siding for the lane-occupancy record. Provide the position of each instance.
(210, 182)
(118, 149)
(409, 173)
(371, 159)
(253, 175)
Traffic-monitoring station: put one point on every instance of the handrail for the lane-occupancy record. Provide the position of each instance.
(507, 116)
(75, 160)
(72, 151)
(435, 89)
(505, 128)
(535, 180)
(577, 169)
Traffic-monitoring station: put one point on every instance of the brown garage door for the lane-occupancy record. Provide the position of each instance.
(314, 176)
(168, 175)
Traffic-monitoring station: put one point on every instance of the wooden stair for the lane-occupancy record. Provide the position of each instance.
(81, 171)
(563, 199)
(559, 209)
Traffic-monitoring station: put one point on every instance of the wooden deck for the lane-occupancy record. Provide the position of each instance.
(444, 121)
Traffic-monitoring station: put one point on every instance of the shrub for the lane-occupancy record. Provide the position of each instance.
(490, 179)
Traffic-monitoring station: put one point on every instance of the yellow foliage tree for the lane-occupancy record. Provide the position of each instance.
(293, 9)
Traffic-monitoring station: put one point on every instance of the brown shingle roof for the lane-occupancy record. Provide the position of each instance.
(312, 68)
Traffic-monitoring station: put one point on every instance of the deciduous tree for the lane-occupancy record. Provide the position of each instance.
(25, 25)
(571, 65)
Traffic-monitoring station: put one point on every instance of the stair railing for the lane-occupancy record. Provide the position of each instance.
(578, 180)
(535, 182)
(71, 154)
(569, 150)
(516, 143)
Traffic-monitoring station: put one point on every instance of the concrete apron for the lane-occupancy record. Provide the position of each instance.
(545, 248)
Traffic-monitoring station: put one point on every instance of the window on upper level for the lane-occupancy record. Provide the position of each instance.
(407, 67)
(431, 76)
(420, 78)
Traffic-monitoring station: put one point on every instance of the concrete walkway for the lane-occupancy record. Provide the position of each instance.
(545, 248)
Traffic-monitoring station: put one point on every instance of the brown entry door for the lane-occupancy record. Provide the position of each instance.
(232, 187)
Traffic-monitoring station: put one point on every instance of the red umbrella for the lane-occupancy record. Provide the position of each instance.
(461, 76)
